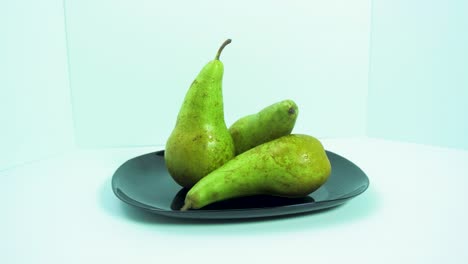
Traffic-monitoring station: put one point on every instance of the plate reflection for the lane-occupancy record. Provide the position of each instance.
(248, 202)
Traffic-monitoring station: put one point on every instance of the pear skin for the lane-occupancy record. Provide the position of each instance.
(200, 141)
(272, 122)
(290, 166)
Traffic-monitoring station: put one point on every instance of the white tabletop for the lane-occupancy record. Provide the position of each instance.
(62, 210)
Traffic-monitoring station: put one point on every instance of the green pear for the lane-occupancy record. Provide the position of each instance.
(272, 122)
(200, 141)
(290, 166)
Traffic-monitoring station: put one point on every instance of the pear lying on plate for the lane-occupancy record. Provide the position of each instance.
(290, 166)
(271, 122)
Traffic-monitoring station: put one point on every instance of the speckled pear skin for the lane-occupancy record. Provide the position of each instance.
(200, 141)
(290, 166)
(272, 122)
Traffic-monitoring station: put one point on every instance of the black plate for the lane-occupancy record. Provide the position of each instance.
(145, 183)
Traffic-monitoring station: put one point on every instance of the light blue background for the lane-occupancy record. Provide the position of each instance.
(35, 109)
(133, 61)
(418, 82)
(114, 73)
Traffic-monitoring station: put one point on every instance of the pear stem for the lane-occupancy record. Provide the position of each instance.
(187, 205)
(222, 47)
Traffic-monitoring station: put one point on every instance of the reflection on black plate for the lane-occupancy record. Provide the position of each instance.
(145, 183)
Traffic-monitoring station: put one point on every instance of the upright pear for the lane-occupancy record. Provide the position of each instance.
(290, 166)
(200, 141)
(272, 122)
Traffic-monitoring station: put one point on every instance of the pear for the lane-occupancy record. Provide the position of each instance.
(200, 141)
(272, 122)
(290, 166)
